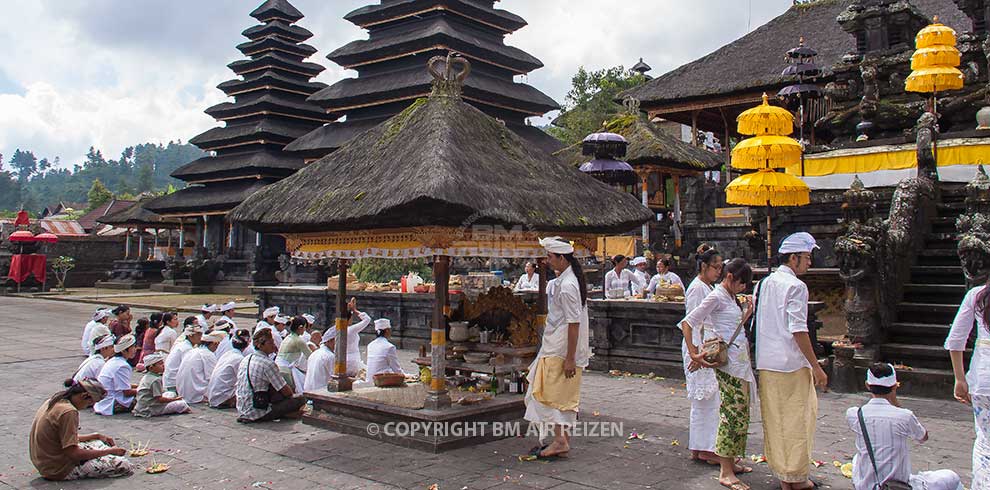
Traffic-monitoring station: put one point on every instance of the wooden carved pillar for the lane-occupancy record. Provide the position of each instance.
(677, 211)
(151, 255)
(644, 177)
(340, 381)
(437, 397)
(182, 238)
(127, 245)
(541, 300)
(694, 127)
(140, 252)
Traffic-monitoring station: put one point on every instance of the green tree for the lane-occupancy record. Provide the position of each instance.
(385, 270)
(591, 102)
(25, 163)
(145, 178)
(10, 190)
(98, 194)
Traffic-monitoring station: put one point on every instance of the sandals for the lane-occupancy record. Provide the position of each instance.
(736, 485)
(537, 452)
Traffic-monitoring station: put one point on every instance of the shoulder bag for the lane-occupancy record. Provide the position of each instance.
(260, 399)
(716, 350)
(889, 484)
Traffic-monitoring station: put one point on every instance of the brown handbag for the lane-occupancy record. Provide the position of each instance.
(715, 350)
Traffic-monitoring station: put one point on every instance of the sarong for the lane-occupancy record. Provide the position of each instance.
(702, 390)
(552, 398)
(108, 466)
(733, 424)
(790, 408)
(981, 448)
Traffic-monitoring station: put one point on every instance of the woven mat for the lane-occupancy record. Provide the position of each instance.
(412, 396)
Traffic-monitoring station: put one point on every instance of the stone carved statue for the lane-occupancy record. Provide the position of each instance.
(926, 134)
(858, 250)
(974, 231)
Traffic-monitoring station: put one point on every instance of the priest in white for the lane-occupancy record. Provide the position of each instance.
(319, 368)
(383, 357)
(554, 392)
(227, 313)
(193, 376)
(192, 335)
(222, 390)
(354, 363)
(225, 327)
(90, 368)
(205, 316)
(639, 270)
(97, 324)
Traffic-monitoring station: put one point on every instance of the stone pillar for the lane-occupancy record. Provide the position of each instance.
(437, 397)
(340, 381)
(140, 254)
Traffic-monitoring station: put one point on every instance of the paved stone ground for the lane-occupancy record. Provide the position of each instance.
(208, 449)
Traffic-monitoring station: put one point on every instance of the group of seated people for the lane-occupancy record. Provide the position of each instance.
(621, 281)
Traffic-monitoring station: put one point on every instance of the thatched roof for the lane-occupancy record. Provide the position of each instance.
(266, 162)
(441, 162)
(470, 9)
(136, 216)
(755, 61)
(277, 28)
(648, 145)
(200, 199)
(277, 9)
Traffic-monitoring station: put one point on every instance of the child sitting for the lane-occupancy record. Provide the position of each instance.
(151, 399)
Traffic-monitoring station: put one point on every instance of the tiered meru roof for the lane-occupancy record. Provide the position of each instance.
(403, 35)
(269, 111)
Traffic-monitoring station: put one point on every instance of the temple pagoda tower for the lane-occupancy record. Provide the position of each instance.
(402, 36)
(269, 111)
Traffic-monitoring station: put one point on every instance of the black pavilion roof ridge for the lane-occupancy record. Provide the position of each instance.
(376, 15)
(266, 131)
(278, 63)
(276, 44)
(277, 10)
(270, 103)
(270, 80)
(277, 28)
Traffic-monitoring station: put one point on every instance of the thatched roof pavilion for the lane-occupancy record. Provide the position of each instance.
(136, 216)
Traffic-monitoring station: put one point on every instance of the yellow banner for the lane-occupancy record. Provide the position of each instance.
(438, 337)
(342, 324)
(888, 157)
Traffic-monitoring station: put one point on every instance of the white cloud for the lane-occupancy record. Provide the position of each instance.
(113, 73)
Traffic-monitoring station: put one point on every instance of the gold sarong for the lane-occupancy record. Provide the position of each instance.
(789, 405)
(551, 388)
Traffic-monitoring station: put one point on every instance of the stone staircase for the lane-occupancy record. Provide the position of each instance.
(931, 298)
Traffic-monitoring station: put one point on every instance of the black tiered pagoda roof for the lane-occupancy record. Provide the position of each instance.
(270, 110)
(403, 36)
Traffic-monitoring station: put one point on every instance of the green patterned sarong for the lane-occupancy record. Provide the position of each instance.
(733, 424)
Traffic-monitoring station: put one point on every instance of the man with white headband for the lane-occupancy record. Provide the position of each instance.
(640, 265)
(307, 334)
(193, 376)
(97, 327)
(354, 363)
(885, 457)
(383, 357)
(91, 367)
(319, 368)
(151, 399)
(221, 392)
(205, 316)
(268, 321)
(192, 335)
(224, 327)
(788, 368)
(115, 376)
(227, 313)
(554, 393)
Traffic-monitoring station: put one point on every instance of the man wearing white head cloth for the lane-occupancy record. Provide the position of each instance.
(354, 363)
(268, 321)
(227, 313)
(383, 357)
(319, 367)
(221, 392)
(192, 335)
(91, 367)
(554, 393)
(193, 376)
(224, 327)
(115, 376)
(788, 367)
(205, 316)
(640, 265)
(97, 324)
(884, 456)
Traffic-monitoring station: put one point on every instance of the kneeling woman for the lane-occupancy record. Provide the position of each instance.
(736, 381)
(57, 449)
(115, 376)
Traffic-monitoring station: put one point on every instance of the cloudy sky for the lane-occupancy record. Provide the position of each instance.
(113, 73)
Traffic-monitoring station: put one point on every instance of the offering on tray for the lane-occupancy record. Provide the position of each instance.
(158, 468)
(385, 380)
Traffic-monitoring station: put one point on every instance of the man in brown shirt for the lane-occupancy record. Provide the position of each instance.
(59, 452)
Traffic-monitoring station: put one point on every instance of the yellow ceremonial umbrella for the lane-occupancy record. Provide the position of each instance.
(769, 148)
(934, 62)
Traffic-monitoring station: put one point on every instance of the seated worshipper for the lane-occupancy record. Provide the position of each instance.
(268, 321)
(640, 266)
(169, 332)
(664, 276)
(143, 324)
(319, 369)
(293, 355)
(197, 365)
(148, 338)
(151, 400)
(262, 393)
(383, 357)
(97, 327)
(354, 364)
(227, 313)
(529, 281)
(889, 428)
(121, 324)
(115, 376)
(57, 449)
(619, 280)
(221, 392)
(91, 367)
(192, 336)
(282, 326)
(225, 327)
(307, 335)
(206, 316)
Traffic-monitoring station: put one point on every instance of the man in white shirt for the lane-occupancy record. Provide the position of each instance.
(98, 324)
(354, 363)
(205, 316)
(619, 280)
(889, 428)
(193, 376)
(192, 334)
(639, 270)
(319, 367)
(383, 357)
(554, 392)
(227, 313)
(222, 389)
(789, 370)
(268, 322)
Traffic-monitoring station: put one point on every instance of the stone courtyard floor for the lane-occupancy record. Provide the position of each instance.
(208, 449)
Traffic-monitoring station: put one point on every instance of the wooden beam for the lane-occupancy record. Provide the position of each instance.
(437, 397)
(340, 381)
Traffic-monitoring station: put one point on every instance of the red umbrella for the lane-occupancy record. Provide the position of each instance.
(46, 237)
(22, 236)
